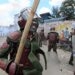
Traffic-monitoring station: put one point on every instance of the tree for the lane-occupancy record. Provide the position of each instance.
(68, 9)
(55, 12)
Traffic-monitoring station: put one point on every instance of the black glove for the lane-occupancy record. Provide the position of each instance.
(14, 69)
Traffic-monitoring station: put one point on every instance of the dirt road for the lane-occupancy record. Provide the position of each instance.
(57, 65)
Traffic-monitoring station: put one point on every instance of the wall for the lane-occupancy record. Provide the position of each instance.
(59, 25)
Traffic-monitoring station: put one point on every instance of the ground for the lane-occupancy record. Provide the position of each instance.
(57, 65)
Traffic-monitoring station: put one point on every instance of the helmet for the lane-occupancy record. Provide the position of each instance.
(23, 19)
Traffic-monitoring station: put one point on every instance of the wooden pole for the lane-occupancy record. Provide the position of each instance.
(26, 30)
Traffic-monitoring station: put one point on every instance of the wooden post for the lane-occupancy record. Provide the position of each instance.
(26, 30)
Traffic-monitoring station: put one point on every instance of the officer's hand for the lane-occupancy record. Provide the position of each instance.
(14, 69)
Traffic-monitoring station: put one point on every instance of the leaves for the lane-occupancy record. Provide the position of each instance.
(68, 9)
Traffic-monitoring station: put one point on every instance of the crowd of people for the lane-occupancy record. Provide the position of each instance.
(64, 39)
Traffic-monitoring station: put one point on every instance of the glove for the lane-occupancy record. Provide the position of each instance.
(14, 69)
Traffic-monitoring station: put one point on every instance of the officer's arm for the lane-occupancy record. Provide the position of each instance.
(7, 46)
(36, 64)
(36, 50)
(40, 51)
(4, 50)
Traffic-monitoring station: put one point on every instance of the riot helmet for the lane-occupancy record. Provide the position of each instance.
(22, 19)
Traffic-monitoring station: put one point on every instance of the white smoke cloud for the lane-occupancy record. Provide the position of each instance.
(7, 10)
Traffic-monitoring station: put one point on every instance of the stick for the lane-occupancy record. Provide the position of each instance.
(26, 30)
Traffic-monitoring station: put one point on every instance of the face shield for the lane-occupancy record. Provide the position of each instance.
(23, 18)
(25, 13)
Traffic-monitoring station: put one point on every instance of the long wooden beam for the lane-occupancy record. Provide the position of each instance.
(26, 30)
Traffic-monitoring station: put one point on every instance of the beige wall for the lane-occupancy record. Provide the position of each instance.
(59, 25)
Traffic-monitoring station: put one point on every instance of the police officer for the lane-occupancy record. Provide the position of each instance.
(53, 39)
(29, 63)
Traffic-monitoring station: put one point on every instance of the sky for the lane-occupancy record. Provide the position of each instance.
(8, 8)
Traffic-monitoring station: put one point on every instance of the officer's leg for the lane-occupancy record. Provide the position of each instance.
(55, 48)
(71, 59)
(49, 48)
(55, 52)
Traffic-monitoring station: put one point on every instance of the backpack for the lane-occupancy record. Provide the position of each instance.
(52, 37)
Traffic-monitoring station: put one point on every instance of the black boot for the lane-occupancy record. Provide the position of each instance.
(71, 63)
(71, 60)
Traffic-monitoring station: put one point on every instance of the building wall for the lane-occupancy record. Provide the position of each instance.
(59, 25)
